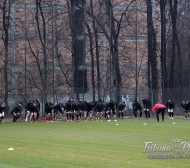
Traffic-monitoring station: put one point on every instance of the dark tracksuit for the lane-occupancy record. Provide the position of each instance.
(99, 107)
(33, 109)
(170, 106)
(186, 108)
(48, 109)
(136, 107)
(121, 107)
(111, 106)
(69, 107)
(147, 105)
(58, 108)
(28, 105)
(16, 109)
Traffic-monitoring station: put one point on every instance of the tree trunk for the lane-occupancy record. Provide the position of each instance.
(152, 55)
(78, 42)
(92, 61)
(163, 49)
(6, 25)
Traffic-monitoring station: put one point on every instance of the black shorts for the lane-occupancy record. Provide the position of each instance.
(56, 111)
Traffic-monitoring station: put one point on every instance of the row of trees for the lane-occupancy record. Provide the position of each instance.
(82, 45)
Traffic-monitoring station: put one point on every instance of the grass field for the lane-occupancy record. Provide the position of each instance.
(89, 144)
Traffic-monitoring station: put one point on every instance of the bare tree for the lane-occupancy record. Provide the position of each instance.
(152, 54)
(6, 6)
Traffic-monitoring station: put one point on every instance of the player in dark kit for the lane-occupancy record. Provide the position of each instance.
(99, 110)
(33, 112)
(69, 109)
(27, 107)
(160, 108)
(2, 113)
(121, 106)
(170, 108)
(58, 108)
(111, 107)
(83, 108)
(16, 111)
(89, 109)
(137, 107)
(147, 106)
(76, 107)
(49, 111)
(186, 107)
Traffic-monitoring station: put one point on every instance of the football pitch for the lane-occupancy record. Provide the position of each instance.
(90, 144)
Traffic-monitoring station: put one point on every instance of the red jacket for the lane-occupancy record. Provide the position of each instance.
(157, 106)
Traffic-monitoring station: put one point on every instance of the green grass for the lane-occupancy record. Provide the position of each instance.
(89, 144)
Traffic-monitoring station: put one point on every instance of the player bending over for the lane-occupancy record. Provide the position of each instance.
(16, 111)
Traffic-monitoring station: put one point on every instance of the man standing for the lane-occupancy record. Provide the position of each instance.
(120, 108)
(137, 107)
(2, 113)
(160, 108)
(147, 106)
(16, 111)
(170, 108)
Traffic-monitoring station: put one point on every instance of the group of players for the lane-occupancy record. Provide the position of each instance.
(74, 110)
(147, 106)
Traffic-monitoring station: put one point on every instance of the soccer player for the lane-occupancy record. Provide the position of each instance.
(76, 107)
(58, 108)
(147, 105)
(28, 105)
(160, 108)
(49, 113)
(33, 112)
(16, 111)
(120, 108)
(90, 106)
(137, 107)
(170, 108)
(2, 113)
(69, 109)
(111, 107)
(99, 110)
(83, 108)
(38, 109)
(186, 107)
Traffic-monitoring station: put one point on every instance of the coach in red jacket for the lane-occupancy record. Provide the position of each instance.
(160, 108)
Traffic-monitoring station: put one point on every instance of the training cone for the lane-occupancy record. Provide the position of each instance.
(10, 149)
